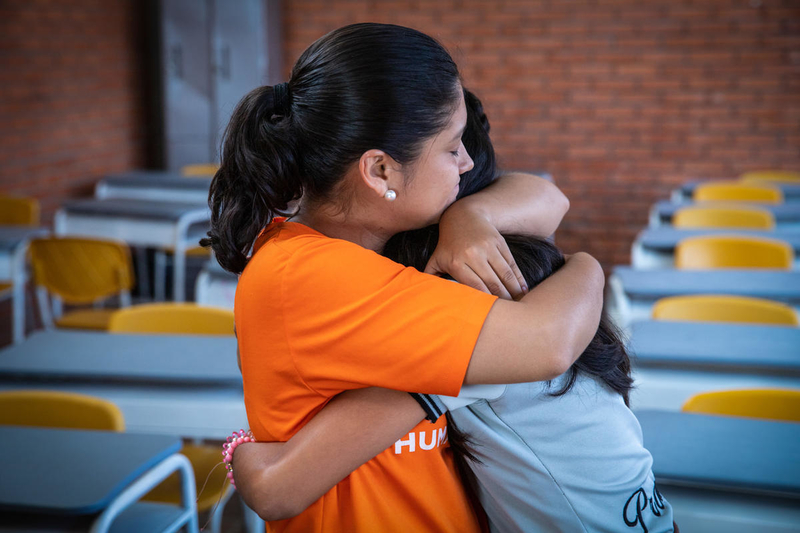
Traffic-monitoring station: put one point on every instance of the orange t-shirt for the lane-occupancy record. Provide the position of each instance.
(317, 316)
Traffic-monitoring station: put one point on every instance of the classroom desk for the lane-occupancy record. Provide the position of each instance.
(154, 185)
(791, 191)
(655, 247)
(139, 223)
(184, 385)
(749, 347)
(673, 361)
(787, 215)
(726, 473)
(102, 474)
(631, 293)
(13, 249)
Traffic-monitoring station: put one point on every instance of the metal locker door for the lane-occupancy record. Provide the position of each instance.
(186, 84)
(239, 59)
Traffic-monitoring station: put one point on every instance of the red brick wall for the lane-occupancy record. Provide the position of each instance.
(621, 100)
(71, 95)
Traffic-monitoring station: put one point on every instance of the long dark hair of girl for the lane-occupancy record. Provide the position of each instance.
(359, 87)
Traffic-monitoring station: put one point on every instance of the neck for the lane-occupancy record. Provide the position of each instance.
(338, 226)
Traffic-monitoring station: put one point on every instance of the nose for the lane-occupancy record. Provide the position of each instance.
(466, 163)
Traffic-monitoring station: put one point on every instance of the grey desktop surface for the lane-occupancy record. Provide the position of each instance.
(11, 235)
(139, 209)
(782, 285)
(715, 344)
(729, 453)
(784, 213)
(88, 355)
(69, 471)
(667, 238)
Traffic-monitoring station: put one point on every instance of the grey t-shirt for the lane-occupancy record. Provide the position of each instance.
(569, 463)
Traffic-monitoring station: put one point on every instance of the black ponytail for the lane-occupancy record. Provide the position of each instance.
(257, 180)
(360, 87)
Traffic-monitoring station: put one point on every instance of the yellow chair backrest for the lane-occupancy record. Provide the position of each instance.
(203, 170)
(177, 318)
(785, 176)
(735, 191)
(723, 308)
(774, 404)
(727, 216)
(733, 251)
(80, 270)
(23, 211)
(59, 410)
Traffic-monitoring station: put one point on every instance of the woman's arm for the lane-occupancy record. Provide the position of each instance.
(280, 480)
(470, 246)
(519, 203)
(539, 337)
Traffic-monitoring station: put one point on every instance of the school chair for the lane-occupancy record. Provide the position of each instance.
(161, 263)
(733, 251)
(19, 211)
(724, 216)
(733, 191)
(724, 308)
(773, 404)
(59, 410)
(180, 318)
(783, 176)
(79, 271)
(200, 170)
(185, 318)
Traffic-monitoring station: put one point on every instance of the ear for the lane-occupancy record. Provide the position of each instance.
(379, 171)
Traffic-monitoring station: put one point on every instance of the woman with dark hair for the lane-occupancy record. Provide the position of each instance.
(366, 136)
(559, 455)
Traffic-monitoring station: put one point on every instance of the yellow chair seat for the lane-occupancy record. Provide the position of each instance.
(735, 191)
(773, 404)
(784, 176)
(203, 459)
(733, 251)
(176, 318)
(202, 170)
(4, 287)
(97, 319)
(724, 216)
(44, 408)
(195, 251)
(722, 308)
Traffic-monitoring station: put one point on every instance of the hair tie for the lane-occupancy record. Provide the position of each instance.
(280, 99)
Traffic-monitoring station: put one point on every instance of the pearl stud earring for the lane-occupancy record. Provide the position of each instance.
(390, 195)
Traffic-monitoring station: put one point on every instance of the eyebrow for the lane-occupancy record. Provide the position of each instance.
(460, 133)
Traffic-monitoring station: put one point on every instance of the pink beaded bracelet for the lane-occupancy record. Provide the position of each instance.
(228, 447)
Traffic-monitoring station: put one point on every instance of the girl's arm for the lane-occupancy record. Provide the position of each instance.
(470, 246)
(280, 480)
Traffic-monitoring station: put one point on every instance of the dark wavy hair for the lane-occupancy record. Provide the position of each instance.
(359, 87)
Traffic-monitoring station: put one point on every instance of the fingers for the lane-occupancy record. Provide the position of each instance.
(509, 269)
(466, 276)
(491, 274)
